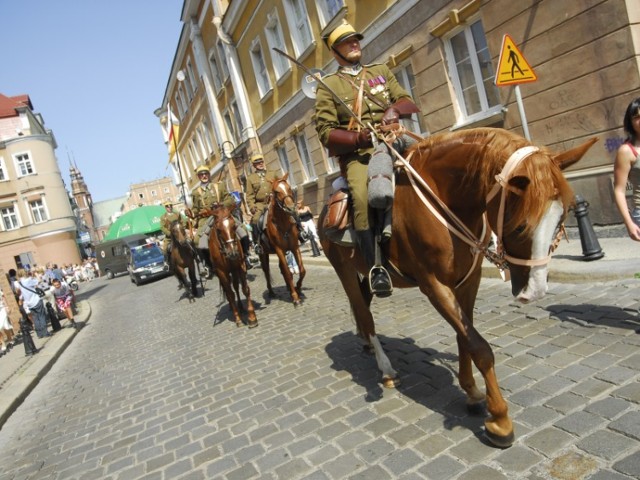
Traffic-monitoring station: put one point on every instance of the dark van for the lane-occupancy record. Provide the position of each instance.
(113, 256)
(146, 262)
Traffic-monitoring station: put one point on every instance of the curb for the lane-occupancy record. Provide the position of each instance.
(29, 374)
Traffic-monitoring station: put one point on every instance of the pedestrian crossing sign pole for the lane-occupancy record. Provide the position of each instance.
(513, 69)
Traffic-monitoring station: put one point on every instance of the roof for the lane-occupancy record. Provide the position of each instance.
(9, 105)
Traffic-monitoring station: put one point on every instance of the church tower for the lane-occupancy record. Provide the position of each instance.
(83, 204)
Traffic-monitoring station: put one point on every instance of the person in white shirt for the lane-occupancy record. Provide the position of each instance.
(33, 305)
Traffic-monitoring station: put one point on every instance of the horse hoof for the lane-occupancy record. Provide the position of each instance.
(253, 324)
(388, 382)
(239, 324)
(500, 441)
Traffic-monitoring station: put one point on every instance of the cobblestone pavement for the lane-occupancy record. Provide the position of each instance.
(157, 388)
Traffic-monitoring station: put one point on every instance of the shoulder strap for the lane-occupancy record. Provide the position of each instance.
(633, 149)
(27, 288)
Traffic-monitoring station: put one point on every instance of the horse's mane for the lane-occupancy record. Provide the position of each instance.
(482, 153)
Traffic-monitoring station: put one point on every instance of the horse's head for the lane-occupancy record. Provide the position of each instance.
(526, 210)
(178, 232)
(283, 195)
(225, 227)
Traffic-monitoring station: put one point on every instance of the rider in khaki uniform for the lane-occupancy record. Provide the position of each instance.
(166, 220)
(383, 101)
(205, 196)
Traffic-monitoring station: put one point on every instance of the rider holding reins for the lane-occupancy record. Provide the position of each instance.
(375, 96)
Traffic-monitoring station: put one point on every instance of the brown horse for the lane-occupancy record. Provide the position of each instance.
(228, 263)
(525, 209)
(183, 256)
(282, 234)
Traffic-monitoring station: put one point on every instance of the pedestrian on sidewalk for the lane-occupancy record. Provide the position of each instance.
(64, 299)
(32, 303)
(6, 329)
(627, 169)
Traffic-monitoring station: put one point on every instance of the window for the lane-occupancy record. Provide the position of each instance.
(3, 170)
(207, 135)
(305, 158)
(38, 211)
(239, 126)
(141, 196)
(191, 77)
(222, 55)
(192, 150)
(229, 124)
(24, 165)
(285, 165)
(472, 73)
(298, 21)
(188, 82)
(179, 105)
(9, 217)
(203, 149)
(327, 9)
(166, 190)
(260, 69)
(273, 31)
(215, 71)
(183, 98)
(405, 78)
(332, 166)
(154, 193)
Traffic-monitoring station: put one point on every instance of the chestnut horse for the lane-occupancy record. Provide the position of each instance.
(524, 203)
(183, 256)
(281, 232)
(228, 263)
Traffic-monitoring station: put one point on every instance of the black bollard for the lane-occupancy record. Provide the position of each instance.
(53, 318)
(591, 249)
(29, 346)
(314, 245)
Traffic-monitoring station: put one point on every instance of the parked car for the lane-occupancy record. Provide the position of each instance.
(146, 262)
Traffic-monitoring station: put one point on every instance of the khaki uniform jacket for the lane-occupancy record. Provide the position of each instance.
(166, 220)
(206, 198)
(379, 81)
(258, 189)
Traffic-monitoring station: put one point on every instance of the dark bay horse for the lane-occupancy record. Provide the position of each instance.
(183, 256)
(282, 234)
(474, 175)
(228, 263)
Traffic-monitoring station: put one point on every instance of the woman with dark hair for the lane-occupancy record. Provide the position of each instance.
(627, 169)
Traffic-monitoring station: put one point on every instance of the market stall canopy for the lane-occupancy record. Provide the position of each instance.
(139, 221)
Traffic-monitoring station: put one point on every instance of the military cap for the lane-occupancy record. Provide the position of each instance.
(340, 34)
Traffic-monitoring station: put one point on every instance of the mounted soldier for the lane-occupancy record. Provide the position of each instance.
(374, 97)
(166, 220)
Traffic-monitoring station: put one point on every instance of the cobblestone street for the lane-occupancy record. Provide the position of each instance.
(157, 388)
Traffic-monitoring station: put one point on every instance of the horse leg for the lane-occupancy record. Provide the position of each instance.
(302, 271)
(182, 278)
(499, 428)
(264, 264)
(192, 279)
(225, 281)
(253, 321)
(236, 289)
(288, 276)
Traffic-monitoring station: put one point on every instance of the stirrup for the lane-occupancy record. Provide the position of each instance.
(383, 287)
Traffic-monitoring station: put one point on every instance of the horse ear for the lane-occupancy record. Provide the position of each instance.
(286, 175)
(568, 158)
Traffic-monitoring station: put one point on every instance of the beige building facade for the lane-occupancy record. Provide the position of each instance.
(445, 52)
(37, 224)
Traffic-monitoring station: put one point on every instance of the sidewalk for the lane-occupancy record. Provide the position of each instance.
(20, 373)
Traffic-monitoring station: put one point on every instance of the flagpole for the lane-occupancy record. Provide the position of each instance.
(175, 147)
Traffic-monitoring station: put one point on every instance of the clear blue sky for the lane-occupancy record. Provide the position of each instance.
(96, 70)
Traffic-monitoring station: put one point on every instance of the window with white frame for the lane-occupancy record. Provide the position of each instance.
(471, 72)
(154, 193)
(207, 135)
(275, 39)
(260, 68)
(222, 55)
(203, 148)
(38, 211)
(226, 115)
(166, 190)
(193, 152)
(215, 71)
(192, 77)
(407, 80)
(183, 98)
(239, 126)
(303, 152)
(179, 105)
(285, 165)
(24, 165)
(299, 25)
(3, 171)
(9, 217)
(188, 83)
(327, 9)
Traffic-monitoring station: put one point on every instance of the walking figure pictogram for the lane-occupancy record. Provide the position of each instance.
(514, 60)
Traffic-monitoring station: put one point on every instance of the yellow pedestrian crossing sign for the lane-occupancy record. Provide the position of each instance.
(512, 66)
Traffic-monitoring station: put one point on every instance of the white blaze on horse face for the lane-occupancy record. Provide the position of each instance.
(542, 237)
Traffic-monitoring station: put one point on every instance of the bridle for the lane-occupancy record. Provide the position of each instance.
(178, 233)
(228, 247)
(280, 202)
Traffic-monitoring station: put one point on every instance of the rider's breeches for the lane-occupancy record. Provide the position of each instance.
(357, 175)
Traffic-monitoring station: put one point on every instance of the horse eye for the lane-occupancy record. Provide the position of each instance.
(519, 229)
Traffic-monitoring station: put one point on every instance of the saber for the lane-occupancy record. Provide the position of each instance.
(321, 82)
